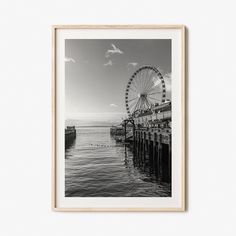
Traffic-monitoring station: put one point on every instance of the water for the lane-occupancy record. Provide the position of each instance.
(97, 166)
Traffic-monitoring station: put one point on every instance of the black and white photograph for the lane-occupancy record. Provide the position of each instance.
(118, 118)
(119, 127)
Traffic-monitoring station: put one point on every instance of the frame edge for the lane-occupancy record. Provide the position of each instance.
(53, 102)
(183, 77)
(117, 26)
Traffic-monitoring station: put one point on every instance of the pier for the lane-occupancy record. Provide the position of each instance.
(70, 135)
(151, 139)
(153, 147)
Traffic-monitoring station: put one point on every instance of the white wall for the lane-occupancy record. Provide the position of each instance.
(25, 133)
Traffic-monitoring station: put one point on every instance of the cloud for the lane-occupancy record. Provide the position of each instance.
(109, 63)
(132, 64)
(167, 78)
(112, 51)
(156, 81)
(69, 59)
(113, 105)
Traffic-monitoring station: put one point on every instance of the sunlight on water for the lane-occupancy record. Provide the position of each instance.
(97, 166)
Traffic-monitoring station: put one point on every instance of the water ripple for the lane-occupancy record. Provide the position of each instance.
(97, 167)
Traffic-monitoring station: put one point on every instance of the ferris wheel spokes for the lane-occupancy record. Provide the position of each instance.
(145, 88)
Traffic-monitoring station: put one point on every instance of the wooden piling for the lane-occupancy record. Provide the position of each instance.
(154, 154)
(153, 148)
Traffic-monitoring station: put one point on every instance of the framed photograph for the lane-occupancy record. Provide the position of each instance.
(118, 118)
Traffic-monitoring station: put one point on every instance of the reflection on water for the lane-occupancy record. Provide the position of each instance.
(97, 166)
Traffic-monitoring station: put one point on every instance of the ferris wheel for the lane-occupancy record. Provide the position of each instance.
(145, 88)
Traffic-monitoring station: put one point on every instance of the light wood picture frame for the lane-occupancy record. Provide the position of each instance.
(119, 118)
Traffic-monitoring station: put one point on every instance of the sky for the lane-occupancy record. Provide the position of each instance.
(97, 72)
